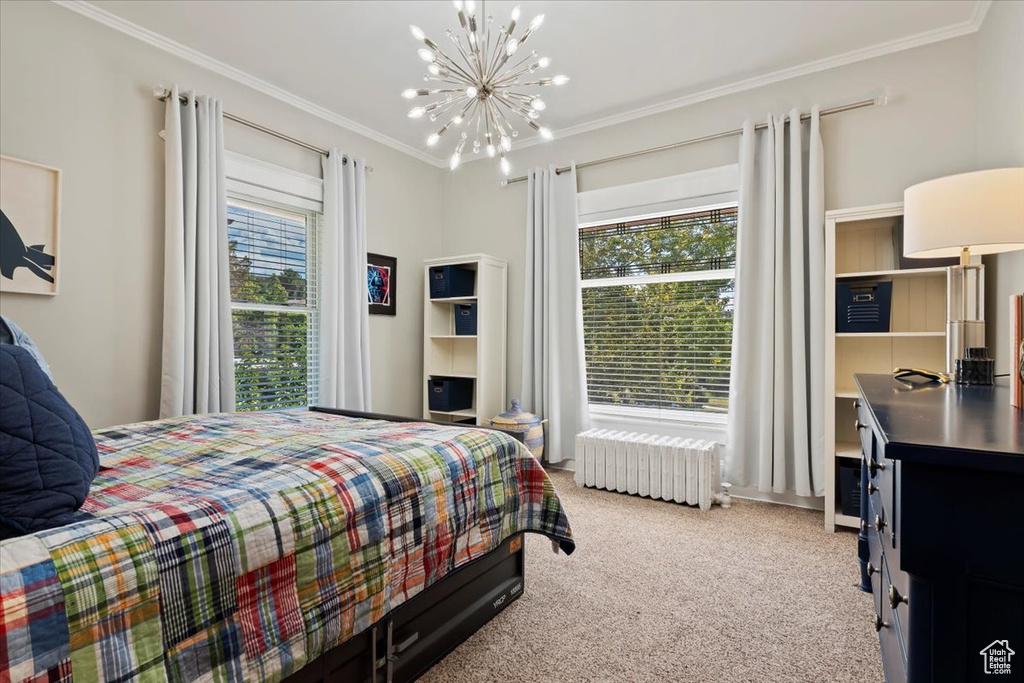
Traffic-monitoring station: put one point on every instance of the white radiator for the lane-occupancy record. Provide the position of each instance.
(663, 467)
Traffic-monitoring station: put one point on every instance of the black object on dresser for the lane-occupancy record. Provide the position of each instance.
(942, 529)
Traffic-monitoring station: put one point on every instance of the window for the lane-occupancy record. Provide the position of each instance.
(657, 310)
(274, 304)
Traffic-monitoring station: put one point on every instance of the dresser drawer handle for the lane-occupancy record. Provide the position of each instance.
(871, 488)
(871, 569)
(895, 598)
(879, 624)
(859, 425)
(874, 466)
(879, 524)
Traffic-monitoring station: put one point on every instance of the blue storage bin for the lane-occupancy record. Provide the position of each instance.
(465, 318)
(863, 307)
(449, 393)
(450, 281)
(849, 487)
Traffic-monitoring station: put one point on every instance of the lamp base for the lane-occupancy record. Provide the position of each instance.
(960, 336)
(965, 310)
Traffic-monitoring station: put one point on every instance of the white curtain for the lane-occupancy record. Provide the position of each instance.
(344, 306)
(775, 437)
(198, 373)
(554, 373)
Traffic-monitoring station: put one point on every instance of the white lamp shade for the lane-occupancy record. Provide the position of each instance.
(983, 210)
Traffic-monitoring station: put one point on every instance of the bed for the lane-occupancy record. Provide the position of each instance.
(298, 544)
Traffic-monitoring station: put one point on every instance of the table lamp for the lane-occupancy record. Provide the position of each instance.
(963, 215)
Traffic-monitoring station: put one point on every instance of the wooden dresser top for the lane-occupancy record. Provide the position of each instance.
(948, 424)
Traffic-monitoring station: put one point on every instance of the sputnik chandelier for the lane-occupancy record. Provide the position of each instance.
(485, 87)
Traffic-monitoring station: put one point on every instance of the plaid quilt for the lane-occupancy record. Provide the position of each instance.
(240, 546)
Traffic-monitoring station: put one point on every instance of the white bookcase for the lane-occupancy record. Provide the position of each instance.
(860, 246)
(479, 357)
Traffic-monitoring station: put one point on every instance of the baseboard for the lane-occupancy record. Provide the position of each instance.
(788, 498)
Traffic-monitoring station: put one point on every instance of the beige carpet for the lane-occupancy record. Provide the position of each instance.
(660, 592)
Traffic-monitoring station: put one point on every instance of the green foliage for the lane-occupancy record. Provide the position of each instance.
(659, 345)
(271, 347)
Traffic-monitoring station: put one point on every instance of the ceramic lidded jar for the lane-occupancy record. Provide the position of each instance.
(532, 426)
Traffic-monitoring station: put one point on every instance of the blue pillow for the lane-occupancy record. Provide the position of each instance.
(47, 454)
(10, 333)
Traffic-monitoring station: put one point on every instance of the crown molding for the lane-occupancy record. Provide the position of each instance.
(966, 27)
(963, 28)
(177, 49)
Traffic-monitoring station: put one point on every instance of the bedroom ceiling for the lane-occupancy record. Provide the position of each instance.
(354, 58)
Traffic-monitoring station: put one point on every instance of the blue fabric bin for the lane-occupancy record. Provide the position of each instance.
(863, 307)
(849, 487)
(450, 281)
(465, 319)
(449, 393)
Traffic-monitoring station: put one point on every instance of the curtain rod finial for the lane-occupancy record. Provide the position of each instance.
(884, 99)
(159, 91)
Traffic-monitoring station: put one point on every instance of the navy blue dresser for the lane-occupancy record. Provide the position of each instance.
(941, 543)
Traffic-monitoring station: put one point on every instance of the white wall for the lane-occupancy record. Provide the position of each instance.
(871, 155)
(1000, 140)
(78, 96)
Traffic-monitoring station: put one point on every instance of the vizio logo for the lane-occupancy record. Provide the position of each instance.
(996, 657)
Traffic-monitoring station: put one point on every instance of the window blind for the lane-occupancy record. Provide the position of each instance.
(272, 260)
(658, 300)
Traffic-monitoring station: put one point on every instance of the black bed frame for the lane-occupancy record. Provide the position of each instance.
(419, 633)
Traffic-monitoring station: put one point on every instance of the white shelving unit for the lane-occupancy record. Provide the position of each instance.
(480, 357)
(860, 247)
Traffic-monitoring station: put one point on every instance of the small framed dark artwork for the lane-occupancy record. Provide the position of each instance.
(381, 278)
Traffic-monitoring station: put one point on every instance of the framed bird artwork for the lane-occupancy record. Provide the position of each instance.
(29, 227)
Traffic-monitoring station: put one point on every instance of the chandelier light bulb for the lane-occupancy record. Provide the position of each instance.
(538, 104)
(417, 32)
(457, 120)
(417, 112)
(533, 114)
(434, 70)
(506, 167)
(432, 140)
(470, 7)
(471, 91)
(544, 62)
(490, 151)
(511, 46)
(458, 5)
(545, 133)
(409, 94)
(536, 22)
(506, 143)
(426, 55)
(454, 163)
(560, 79)
(515, 13)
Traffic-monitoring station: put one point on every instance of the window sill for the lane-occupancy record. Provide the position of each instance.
(646, 415)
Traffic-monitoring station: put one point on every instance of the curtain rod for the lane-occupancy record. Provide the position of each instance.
(162, 94)
(877, 101)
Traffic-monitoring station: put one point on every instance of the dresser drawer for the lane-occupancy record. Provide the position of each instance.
(891, 638)
(874, 568)
(878, 520)
(865, 427)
